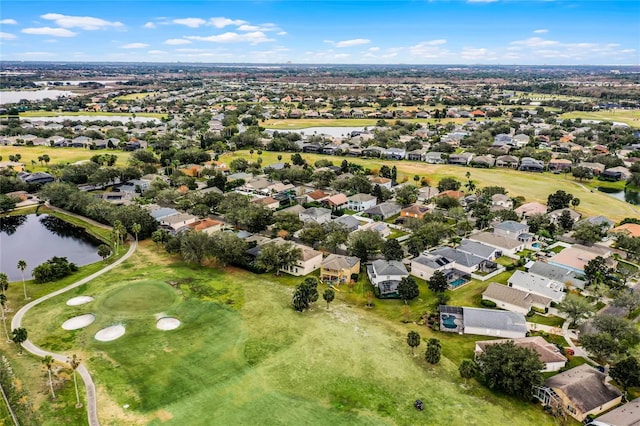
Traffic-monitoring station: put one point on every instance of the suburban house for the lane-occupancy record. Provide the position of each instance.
(630, 229)
(567, 277)
(528, 164)
(615, 174)
(383, 210)
(380, 227)
(576, 257)
(337, 201)
(466, 263)
(310, 260)
(514, 230)
(536, 284)
(349, 222)
(385, 275)
(509, 161)
(415, 211)
(580, 391)
(555, 215)
(318, 215)
(337, 269)
(482, 322)
(513, 299)
(529, 209)
(559, 165)
(435, 158)
(460, 159)
(269, 202)
(176, 221)
(596, 168)
(625, 415)
(507, 245)
(479, 249)
(501, 201)
(381, 181)
(548, 353)
(361, 202)
(208, 226)
(36, 178)
(425, 265)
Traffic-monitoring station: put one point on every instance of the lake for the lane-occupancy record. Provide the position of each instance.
(60, 118)
(37, 238)
(335, 132)
(631, 197)
(15, 96)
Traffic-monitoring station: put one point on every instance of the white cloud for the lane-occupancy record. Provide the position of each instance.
(190, 22)
(541, 31)
(281, 33)
(54, 32)
(176, 41)
(82, 22)
(430, 49)
(32, 54)
(373, 49)
(157, 52)
(481, 1)
(221, 22)
(353, 42)
(231, 37)
(134, 46)
(437, 42)
(7, 36)
(149, 25)
(475, 53)
(8, 22)
(535, 42)
(268, 27)
(189, 50)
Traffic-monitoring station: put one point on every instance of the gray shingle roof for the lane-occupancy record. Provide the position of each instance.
(389, 267)
(511, 226)
(460, 257)
(556, 273)
(493, 319)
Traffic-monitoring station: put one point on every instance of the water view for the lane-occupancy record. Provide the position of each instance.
(331, 131)
(37, 238)
(15, 96)
(631, 197)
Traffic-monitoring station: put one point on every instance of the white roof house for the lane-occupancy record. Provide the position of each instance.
(537, 284)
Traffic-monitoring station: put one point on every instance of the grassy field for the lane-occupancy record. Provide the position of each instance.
(133, 96)
(532, 186)
(71, 114)
(57, 155)
(243, 356)
(632, 118)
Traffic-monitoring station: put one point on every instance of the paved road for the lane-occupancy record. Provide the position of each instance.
(16, 322)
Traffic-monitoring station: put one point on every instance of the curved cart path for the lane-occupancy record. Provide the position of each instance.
(16, 322)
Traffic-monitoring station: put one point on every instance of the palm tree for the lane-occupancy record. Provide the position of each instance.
(74, 363)
(22, 265)
(136, 228)
(19, 336)
(48, 361)
(3, 301)
(4, 282)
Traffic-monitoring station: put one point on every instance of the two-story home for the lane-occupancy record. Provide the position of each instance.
(513, 299)
(337, 269)
(361, 202)
(385, 275)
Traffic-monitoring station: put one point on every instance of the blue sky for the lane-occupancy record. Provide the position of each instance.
(330, 31)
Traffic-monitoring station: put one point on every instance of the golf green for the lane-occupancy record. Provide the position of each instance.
(140, 297)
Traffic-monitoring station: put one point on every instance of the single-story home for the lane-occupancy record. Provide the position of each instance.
(529, 209)
(625, 415)
(630, 229)
(383, 210)
(337, 269)
(580, 391)
(482, 322)
(556, 273)
(315, 214)
(576, 257)
(415, 211)
(208, 226)
(513, 299)
(536, 284)
(507, 245)
(549, 353)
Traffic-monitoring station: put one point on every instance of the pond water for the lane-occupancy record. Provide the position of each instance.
(331, 131)
(15, 96)
(37, 238)
(631, 197)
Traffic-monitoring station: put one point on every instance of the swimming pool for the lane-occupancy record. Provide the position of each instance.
(536, 245)
(449, 321)
(458, 282)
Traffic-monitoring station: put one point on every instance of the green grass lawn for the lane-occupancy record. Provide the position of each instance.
(72, 114)
(557, 249)
(243, 356)
(57, 155)
(550, 320)
(630, 117)
(303, 123)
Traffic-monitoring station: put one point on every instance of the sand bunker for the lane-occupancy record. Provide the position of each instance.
(80, 300)
(78, 322)
(168, 323)
(110, 333)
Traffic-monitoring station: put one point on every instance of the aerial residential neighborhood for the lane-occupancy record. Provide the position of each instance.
(317, 241)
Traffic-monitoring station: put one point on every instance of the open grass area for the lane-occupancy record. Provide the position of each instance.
(243, 356)
(71, 114)
(630, 117)
(551, 320)
(532, 186)
(133, 96)
(57, 155)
